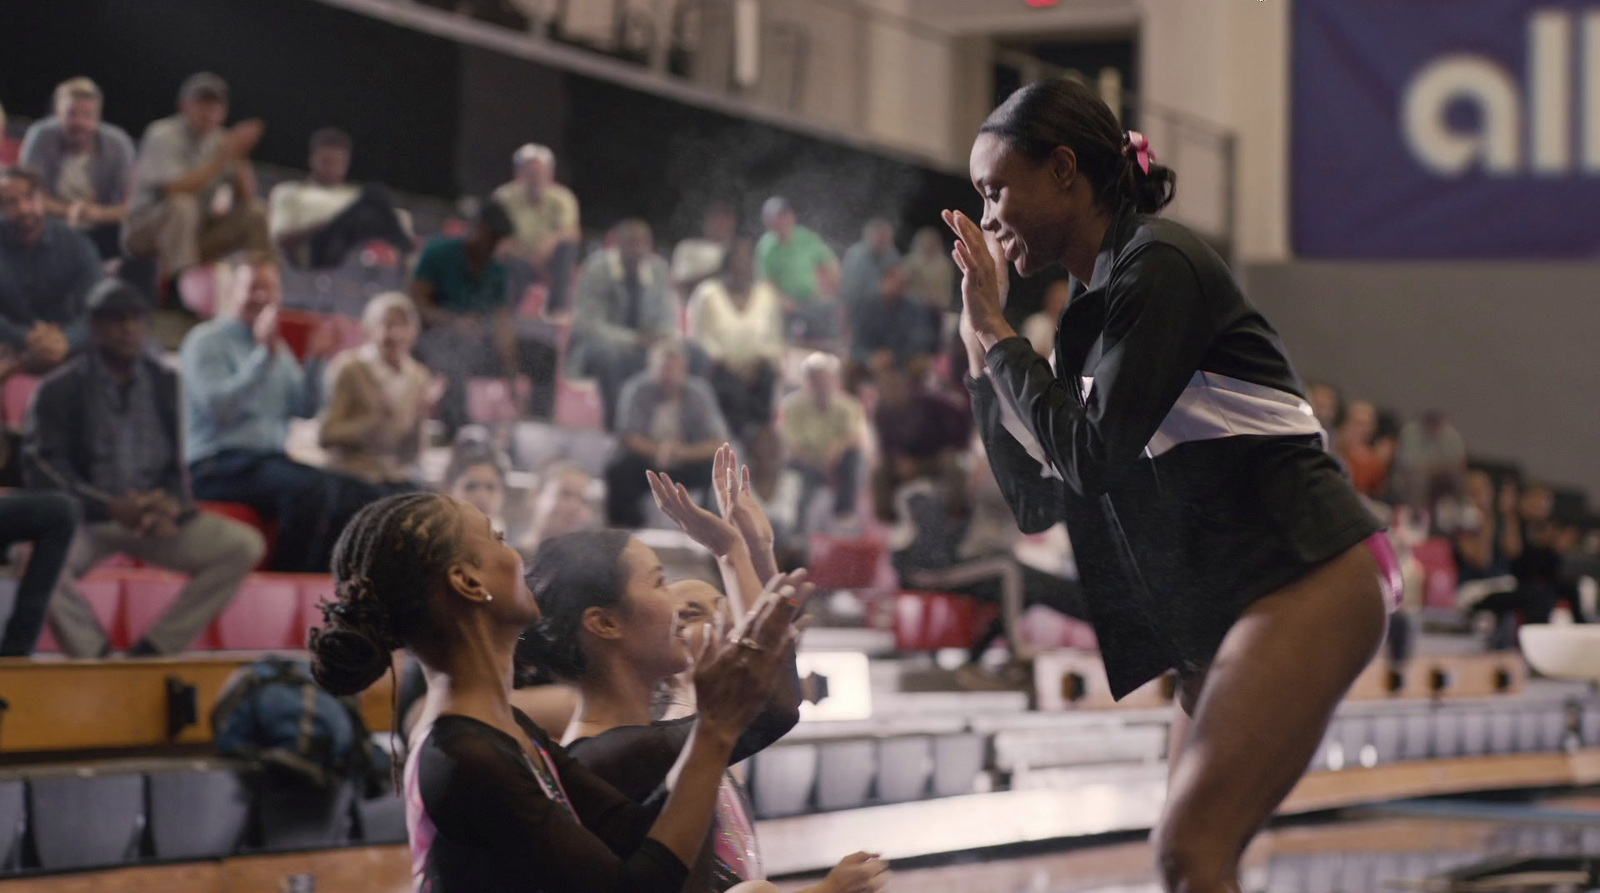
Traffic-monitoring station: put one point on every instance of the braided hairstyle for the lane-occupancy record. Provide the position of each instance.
(571, 574)
(384, 567)
(1067, 112)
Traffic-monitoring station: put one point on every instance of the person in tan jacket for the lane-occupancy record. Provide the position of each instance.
(378, 399)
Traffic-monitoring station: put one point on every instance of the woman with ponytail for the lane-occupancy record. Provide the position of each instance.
(492, 804)
(615, 629)
(1214, 536)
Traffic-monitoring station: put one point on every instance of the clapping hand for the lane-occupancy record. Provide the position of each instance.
(857, 873)
(715, 533)
(736, 673)
(737, 501)
(985, 284)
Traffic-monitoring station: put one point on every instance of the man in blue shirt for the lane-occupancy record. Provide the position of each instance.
(242, 385)
(46, 270)
(464, 298)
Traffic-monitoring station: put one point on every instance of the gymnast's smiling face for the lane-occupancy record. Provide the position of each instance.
(1030, 206)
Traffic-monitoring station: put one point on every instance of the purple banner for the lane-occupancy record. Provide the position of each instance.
(1446, 128)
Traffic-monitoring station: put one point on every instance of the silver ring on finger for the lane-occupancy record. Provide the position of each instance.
(751, 644)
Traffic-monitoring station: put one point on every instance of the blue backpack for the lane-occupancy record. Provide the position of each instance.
(274, 715)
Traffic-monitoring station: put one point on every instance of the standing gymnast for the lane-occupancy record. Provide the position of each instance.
(492, 804)
(1214, 536)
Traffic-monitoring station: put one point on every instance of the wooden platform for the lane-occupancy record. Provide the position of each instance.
(1128, 804)
(354, 870)
(72, 705)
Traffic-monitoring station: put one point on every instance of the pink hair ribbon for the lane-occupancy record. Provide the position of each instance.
(1139, 147)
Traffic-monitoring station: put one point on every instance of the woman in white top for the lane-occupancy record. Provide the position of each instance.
(378, 399)
(738, 321)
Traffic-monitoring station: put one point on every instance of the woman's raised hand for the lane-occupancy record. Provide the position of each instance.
(706, 528)
(738, 503)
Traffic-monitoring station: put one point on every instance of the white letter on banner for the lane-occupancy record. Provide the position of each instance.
(1473, 78)
(1550, 90)
(1591, 93)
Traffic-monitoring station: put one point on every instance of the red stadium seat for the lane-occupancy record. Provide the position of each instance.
(265, 616)
(838, 563)
(579, 405)
(146, 596)
(1440, 574)
(297, 327)
(10, 150)
(929, 621)
(18, 397)
(244, 514)
(104, 592)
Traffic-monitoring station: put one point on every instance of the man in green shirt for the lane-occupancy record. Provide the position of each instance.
(461, 292)
(802, 267)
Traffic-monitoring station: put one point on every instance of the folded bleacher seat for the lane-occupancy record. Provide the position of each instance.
(86, 821)
(197, 813)
(782, 779)
(845, 772)
(13, 823)
(293, 816)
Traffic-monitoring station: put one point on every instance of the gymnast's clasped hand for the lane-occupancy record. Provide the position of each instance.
(985, 282)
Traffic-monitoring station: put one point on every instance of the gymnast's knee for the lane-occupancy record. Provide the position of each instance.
(1192, 861)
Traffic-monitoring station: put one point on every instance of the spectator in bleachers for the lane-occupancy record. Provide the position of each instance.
(1327, 404)
(625, 304)
(1491, 536)
(931, 275)
(318, 221)
(46, 271)
(892, 329)
(1040, 328)
(957, 534)
(922, 432)
(463, 296)
(695, 260)
(194, 192)
(823, 430)
(104, 428)
(50, 522)
(667, 421)
(561, 505)
(1367, 456)
(544, 248)
(87, 164)
(379, 398)
(866, 264)
(804, 270)
(242, 386)
(738, 322)
(476, 475)
(1430, 461)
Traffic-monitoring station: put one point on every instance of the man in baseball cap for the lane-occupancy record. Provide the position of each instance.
(104, 430)
(194, 194)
